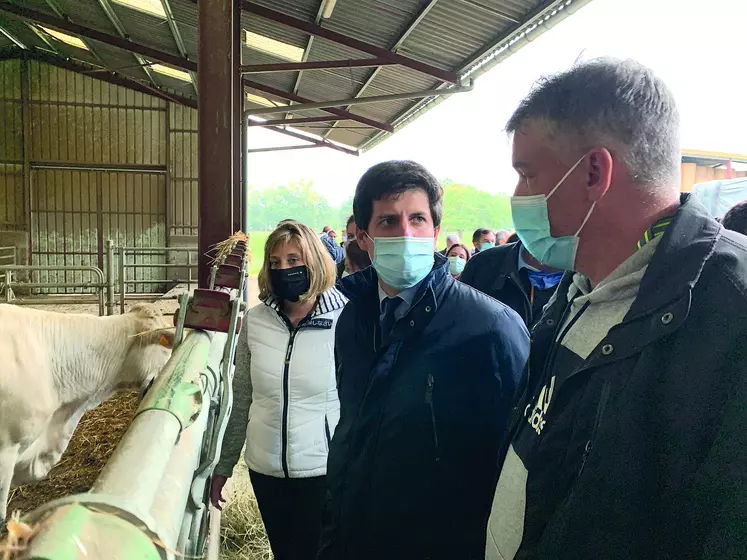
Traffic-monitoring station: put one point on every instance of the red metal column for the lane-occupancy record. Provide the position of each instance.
(238, 107)
(215, 146)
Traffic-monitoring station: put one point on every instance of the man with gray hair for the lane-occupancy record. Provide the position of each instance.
(451, 239)
(629, 440)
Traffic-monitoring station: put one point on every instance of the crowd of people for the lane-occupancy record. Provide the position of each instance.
(394, 407)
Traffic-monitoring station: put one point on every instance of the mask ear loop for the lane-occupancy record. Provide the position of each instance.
(586, 219)
(571, 170)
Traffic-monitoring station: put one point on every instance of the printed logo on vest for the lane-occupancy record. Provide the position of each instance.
(537, 417)
(319, 324)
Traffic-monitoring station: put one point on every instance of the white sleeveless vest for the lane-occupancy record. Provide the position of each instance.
(295, 407)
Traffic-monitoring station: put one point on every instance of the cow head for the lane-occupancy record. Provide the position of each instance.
(150, 348)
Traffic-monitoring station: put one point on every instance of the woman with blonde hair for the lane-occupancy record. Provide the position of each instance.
(285, 405)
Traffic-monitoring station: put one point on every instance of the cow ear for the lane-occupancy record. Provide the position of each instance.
(166, 338)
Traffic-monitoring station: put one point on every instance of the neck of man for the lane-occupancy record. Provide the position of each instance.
(531, 261)
(615, 239)
(388, 290)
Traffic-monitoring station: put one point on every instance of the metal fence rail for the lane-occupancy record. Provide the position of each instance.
(99, 286)
(123, 266)
(8, 256)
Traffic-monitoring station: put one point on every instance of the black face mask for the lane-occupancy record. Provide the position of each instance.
(290, 283)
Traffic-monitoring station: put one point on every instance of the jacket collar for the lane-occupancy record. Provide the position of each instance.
(510, 266)
(363, 288)
(331, 300)
(687, 244)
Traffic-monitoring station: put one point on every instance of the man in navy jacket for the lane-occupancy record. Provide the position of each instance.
(427, 371)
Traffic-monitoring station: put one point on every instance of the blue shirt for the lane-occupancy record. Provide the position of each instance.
(540, 279)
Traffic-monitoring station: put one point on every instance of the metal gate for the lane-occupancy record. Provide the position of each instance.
(74, 210)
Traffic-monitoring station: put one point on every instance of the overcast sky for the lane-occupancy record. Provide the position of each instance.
(695, 46)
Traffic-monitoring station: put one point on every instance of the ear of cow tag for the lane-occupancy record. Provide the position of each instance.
(166, 339)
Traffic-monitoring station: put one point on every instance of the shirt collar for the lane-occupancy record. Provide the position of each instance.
(406, 295)
(523, 263)
(328, 301)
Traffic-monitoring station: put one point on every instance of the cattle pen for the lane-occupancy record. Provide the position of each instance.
(125, 159)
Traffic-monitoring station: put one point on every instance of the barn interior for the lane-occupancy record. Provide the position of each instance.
(123, 156)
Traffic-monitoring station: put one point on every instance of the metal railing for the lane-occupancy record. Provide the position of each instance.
(123, 265)
(99, 286)
(8, 256)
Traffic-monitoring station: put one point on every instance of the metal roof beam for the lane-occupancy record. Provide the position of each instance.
(57, 9)
(314, 140)
(87, 32)
(287, 96)
(317, 65)
(334, 36)
(292, 122)
(178, 38)
(15, 40)
(307, 50)
(176, 61)
(362, 100)
(282, 148)
(106, 76)
(114, 19)
(397, 44)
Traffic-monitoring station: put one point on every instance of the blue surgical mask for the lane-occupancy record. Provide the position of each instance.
(402, 262)
(532, 224)
(456, 264)
(486, 245)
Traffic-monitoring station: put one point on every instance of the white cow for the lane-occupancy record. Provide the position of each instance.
(54, 367)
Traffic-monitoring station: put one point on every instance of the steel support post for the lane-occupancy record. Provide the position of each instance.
(215, 108)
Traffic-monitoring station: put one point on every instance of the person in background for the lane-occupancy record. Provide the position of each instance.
(356, 259)
(501, 237)
(451, 239)
(513, 276)
(483, 239)
(350, 229)
(629, 440)
(513, 238)
(335, 251)
(736, 218)
(427, 371)
(285, 405)
(349, 236)
(458, 256)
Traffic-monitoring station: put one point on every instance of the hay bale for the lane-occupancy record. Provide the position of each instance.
(94, 441)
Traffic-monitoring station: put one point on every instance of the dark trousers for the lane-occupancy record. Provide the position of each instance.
(291, 510)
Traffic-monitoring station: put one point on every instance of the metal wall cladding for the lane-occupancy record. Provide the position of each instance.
(12, 216)
(183, 170)
(97, 169)
(78, 119)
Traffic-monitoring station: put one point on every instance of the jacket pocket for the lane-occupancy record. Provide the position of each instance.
(431, 406)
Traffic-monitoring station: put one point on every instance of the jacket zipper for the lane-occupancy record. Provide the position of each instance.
(286, 401)
(527, 304)
(429, 402)
(603, 397)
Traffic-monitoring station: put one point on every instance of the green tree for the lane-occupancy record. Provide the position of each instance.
(467, 208)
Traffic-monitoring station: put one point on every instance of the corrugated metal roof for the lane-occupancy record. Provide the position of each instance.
(464, 36)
